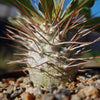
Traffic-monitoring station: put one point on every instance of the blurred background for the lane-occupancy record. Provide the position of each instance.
(6, 51)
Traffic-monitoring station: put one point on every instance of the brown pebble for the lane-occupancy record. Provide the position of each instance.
(75, 97)
(11, 82)
(95, 77)
(1, 94)
(80, 78)
(8, 79)
(98, 81)
(19, 80)
(4, 80)
(27, 96)
(66, 98)
(90, 81)
(4, 85)
(89, 91)
(22, 85)
(1, 89)
(17, 98)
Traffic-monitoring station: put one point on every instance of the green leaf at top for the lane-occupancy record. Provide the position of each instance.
(86, 5)
(46, 7)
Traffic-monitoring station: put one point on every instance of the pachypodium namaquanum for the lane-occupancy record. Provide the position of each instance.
(52, 39)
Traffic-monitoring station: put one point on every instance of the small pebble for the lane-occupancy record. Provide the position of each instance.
(4, 85)
(66, 98)
(10, 89)
(27, 81)
(81, 78)
(3, 97)
(90, 81)
(75, 97)
(48, 96)
(17, 92)
(52, 88)
(88, 75)
(98, 81)
(59, 96)
(1, 94)
(62, 93)
(11, 82)
(29, 89)
(65, 92)
(20, 80)
(96, 77)
(79, 86)
(89, 91)
(37, 92)
(1, 89)
(85, 87)
(27, 96)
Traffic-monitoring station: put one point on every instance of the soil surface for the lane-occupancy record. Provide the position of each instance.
(86, 86)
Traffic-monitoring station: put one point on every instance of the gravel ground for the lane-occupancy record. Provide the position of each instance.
(86, 86)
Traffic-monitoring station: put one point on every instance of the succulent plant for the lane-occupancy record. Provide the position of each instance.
(52, 39)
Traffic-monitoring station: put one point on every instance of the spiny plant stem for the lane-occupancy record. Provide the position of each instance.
(52, 40)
